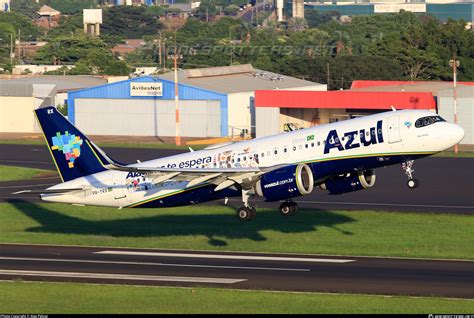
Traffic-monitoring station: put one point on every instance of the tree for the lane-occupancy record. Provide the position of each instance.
(7, 34)
(68, 25)
(206, 9)
(231, 9)
(72, 6)
(26, 7)
(315, 18)
(98, 62)
(29, 30)
(129, 22)
(69, 49)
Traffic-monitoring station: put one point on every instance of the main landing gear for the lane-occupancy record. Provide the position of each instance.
(407, 167)
(248, 212)
(288, 208)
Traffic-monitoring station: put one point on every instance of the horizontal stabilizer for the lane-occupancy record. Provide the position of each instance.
(51, 191)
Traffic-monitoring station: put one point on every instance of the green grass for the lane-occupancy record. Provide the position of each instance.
(451, 154)
(216, 228)
(8, 173)
(49, 298)
(111, 144)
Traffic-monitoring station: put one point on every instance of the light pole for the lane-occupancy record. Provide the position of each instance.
(454, 63)
(176, 92)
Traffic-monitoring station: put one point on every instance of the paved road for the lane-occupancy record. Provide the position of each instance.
(446, 184)
(239, 270)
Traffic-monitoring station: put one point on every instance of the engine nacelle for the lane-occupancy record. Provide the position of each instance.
(349, 183)
(286, 183)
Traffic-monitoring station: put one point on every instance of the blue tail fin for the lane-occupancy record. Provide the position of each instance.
(72, 152)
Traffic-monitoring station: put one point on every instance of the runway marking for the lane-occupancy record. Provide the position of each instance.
(391, 204)
(240, 257)
(181, 279)
(153, 264)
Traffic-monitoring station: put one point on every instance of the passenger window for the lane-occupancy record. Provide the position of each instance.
(294, 148)
(306, 146)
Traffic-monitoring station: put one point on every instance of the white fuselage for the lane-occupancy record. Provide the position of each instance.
(385, 134)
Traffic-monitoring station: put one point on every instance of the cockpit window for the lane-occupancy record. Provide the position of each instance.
(428, 120)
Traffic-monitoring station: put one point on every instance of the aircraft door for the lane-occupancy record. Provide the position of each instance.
(119, 188)
(394, 130)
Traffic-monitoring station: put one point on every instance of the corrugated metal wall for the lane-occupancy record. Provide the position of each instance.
(148, 117)
(465, 110)
(121, 90)
(267, 121)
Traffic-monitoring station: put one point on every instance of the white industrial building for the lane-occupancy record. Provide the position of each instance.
(20, 97)
(213, 102)
(465, 109)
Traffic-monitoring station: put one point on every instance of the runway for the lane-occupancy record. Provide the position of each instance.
(446, 184)
(281, 272)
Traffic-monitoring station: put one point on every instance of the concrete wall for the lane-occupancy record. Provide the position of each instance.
(16, 114)
(239, 110)
(147, 117)
(465, 110)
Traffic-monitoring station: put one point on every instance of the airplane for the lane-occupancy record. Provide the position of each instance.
(338, 157)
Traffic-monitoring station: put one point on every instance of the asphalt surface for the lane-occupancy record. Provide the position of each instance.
(281, 272)
(446, 184)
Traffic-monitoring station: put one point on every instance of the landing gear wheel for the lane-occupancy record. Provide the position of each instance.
(288, 208)
(245, 214)
(253, 213)
(294, 208)
(413, 183)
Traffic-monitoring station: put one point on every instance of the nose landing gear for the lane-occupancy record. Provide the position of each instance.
(407, 167)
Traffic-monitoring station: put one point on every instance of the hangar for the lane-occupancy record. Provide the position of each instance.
(275, 110)
(213, 102)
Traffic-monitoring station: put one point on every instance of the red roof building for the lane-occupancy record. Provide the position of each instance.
(344, 100)
(276, 109)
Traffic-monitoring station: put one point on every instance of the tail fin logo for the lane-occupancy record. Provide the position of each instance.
(70, 145)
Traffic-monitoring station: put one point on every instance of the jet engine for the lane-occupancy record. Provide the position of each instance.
(285, 183)
(350, 182)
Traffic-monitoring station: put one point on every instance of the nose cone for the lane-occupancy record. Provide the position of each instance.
(456, 133)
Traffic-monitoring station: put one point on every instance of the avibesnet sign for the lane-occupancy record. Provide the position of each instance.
(146, 89)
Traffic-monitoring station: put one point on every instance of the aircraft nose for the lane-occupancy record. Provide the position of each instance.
(457, 133)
